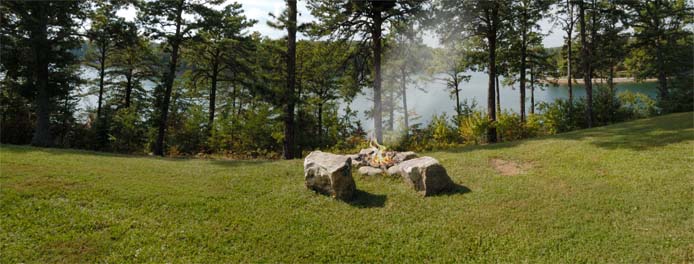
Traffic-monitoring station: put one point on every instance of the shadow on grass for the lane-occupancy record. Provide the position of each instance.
(457, 189)
(639, 134)
(364, 199)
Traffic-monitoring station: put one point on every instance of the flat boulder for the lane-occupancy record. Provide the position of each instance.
(425, 175)
(329, 174)
(370, 171)
(403, 156)
(394, 170)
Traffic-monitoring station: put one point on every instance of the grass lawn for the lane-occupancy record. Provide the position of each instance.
(621, 193)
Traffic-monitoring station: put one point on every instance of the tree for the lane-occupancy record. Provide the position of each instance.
(132, 63)
(325, 76)
(406, 56)
(43, 31)
(586, 59)
(658, 25)
(107, 33)
(483, 19)
(219, 51)
(568, 20)
(364, 20)
(166, 20)
(450, 61)
(526, 14)
(289, 145)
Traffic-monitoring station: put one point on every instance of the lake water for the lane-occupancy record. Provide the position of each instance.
(435, 99)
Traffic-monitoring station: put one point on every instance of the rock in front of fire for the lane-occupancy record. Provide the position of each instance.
(407, 155)
(370, 171)
(394, 170)
(425, 175)
(329, 174)
(356, 160)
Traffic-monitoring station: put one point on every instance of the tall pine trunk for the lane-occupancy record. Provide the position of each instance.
(532, 91)
(498, 95)
(128, 87)
(403, 89)
(491, 100)
(288, 146)
(569, 53)
(213, 99)
(377, 111)
(391, 110)
(39, 46)
(168, 83)
(586, 59)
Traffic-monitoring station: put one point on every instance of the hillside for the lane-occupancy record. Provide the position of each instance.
(620, 193)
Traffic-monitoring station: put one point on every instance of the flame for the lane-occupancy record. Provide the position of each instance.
(380, 157)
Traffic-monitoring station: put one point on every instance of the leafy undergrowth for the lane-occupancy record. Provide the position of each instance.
(620, 193)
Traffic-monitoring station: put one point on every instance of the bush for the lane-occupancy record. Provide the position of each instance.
(128, 132)
(606, 107)
(637, 105)
(561, 116)
(473, 128)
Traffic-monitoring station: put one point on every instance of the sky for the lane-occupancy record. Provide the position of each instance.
(260, 9)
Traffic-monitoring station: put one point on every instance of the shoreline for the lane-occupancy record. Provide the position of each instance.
(603, 80)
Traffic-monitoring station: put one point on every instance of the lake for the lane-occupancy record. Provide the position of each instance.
(435, 99)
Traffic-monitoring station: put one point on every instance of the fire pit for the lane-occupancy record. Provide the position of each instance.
(377, 159)
(331, 174)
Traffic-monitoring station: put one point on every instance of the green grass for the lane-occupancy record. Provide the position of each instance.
(621, 193)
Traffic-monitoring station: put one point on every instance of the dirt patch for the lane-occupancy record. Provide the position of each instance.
(509, 167)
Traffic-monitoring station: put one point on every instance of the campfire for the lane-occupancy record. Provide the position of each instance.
(380, 157)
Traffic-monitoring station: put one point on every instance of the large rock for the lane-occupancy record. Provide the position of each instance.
(370, 171)
(403, 156)
(394, 170)
(425, 175)
(329, 174)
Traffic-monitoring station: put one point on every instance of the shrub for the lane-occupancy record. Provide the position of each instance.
(637, 105)
(561, 116)
(473, 128)
(606, 106)
(128, 131)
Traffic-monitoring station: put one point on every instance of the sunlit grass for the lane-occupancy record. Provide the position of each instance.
(621, 193)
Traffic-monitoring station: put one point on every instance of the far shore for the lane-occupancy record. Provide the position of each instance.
(564, 81)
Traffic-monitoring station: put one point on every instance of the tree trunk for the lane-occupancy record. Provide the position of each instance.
(532, 91)
(585, 54)
(404, 104)
(100, 121)
(320, 124)
(570, 51)
(377, 111)
(663, 92)
(522, 83)
(458, 108)
(288, 147)
(128, 87)
(39, 45)
(523, 53)
(168, 83)
(102, 70)
(491, 100)
(391, 110)
(498, 94)
(213, 98)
